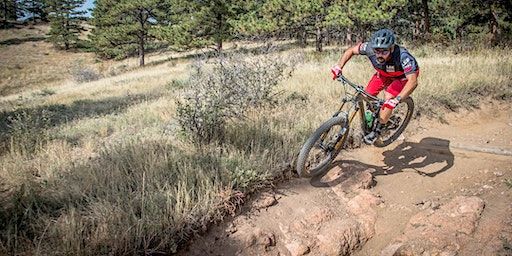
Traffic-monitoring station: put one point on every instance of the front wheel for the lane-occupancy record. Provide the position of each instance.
(401, 117)
(322, 147)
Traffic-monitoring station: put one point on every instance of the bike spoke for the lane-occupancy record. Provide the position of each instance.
(322, 151)
(395, 121)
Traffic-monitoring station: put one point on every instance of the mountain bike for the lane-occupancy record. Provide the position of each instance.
(322, 147)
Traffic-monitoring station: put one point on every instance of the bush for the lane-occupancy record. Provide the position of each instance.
(83, 74)
(226, 87)
(27, 132)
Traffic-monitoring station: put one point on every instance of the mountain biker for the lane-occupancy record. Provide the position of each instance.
(397, 73)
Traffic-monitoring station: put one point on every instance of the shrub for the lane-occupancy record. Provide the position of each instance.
(27, 131)
(83, 74)
(44, 92)
(226, 87)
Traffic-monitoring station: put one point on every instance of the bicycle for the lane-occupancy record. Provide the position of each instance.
(322, 147)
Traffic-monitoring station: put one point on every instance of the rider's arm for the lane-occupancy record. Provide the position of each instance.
(347, 55)
(412, 82)
(411, 70)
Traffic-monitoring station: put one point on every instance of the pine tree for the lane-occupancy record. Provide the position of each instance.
(469, 21)
(178, 25)
(205, 22)
(36, 8)
(214, 20)
(65, 22)
(253, 22)
(303, 18)
(9, 11)
(125, 28)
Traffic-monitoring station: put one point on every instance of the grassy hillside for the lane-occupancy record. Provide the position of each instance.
(102, 167)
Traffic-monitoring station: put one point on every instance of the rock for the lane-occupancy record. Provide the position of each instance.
(260, 238)
(365, 180)
(297, 248)
(498, 174)
(254, 239)
(231, 229)
(354, 181)
(440, 231)
(266, 200)
(319, 216)
(391, 249)
(341, 238)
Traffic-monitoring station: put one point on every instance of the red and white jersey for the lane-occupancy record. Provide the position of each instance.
(399, 65)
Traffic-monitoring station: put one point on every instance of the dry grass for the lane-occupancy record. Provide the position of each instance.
(101, 167)
(31, 63)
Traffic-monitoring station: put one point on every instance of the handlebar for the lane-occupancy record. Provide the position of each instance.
(358, 88)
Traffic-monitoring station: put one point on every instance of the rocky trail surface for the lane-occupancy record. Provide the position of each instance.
(442, 189)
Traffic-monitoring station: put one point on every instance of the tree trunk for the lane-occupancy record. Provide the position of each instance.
(302, 37)
(426, 17)
(416, 31)
(219, 44)
(141, 50)
(219, 32)
(319, 39)
(319, 33)
(493, 23)
(142, 37)
(5, 14)
(66, 33)
(348, 38)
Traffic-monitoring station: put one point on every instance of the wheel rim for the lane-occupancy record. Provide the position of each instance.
(395, 122)
(323, 150)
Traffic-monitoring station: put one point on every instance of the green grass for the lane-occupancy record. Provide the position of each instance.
(102, 167)
(508, 182)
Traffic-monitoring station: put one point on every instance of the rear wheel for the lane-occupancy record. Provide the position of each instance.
(322, 147)
(397, 123)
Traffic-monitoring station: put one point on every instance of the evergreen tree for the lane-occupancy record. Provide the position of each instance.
(470, 21)
(254, 21)
(9, 11)
(125, 28)
(213, 21)
(321, 17)
(179, 25)
(36, 9)
(65, 22)
(296, 18)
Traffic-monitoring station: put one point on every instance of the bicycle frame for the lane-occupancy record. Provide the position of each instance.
(357, 101)
(358, 105)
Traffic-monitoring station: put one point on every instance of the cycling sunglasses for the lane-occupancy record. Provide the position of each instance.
(381, 51)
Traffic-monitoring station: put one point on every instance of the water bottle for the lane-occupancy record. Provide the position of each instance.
(368, 116)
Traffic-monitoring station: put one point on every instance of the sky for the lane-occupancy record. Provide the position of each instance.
(88, 5)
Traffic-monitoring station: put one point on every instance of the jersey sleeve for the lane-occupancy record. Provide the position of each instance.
(408, 63)
(364, 48)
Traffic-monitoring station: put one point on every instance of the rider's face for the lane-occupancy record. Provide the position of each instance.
(382, 54)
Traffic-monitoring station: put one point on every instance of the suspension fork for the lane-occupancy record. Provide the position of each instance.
(357, 106)
(360, 103)
(344, 101)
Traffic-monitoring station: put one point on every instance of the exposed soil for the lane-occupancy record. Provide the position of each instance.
(441, 189)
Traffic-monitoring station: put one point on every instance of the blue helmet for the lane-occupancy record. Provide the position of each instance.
(383, 39)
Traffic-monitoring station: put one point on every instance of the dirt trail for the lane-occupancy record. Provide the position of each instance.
(440, 190)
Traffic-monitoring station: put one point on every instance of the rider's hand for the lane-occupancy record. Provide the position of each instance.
(336, 72)
(391, 103)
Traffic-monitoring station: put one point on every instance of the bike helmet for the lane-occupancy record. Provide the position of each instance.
(383, 39)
